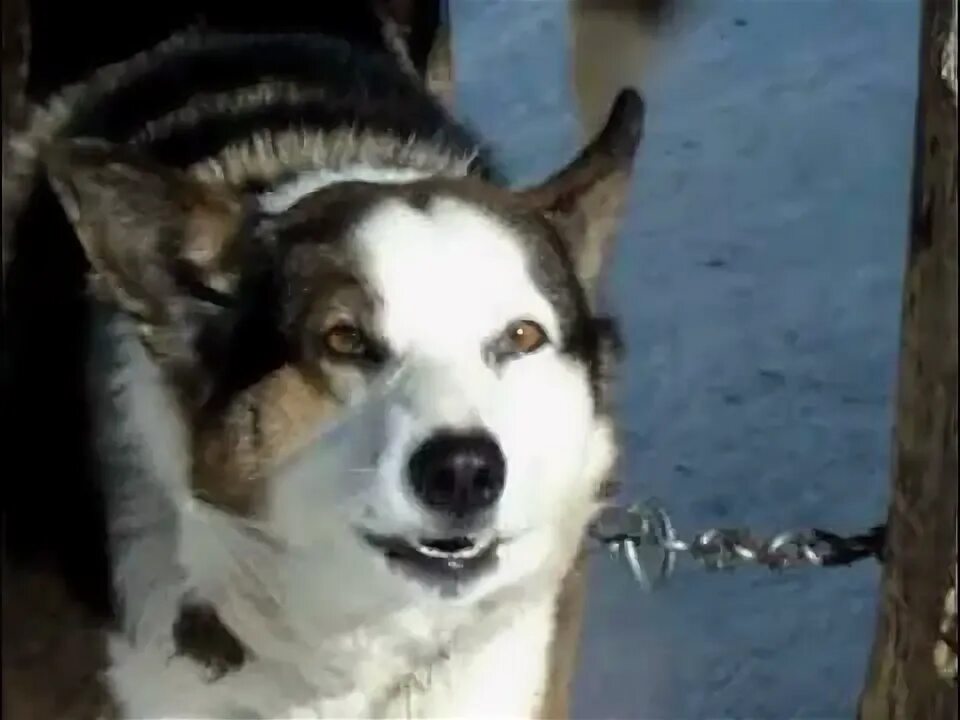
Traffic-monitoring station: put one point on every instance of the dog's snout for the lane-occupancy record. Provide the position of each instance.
(458, 473)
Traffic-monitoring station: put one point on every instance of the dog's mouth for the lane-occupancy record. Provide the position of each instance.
(457, 558)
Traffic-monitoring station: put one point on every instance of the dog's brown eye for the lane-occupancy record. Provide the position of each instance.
(346, 341)
(525, 336)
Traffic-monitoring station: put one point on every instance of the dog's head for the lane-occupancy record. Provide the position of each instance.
(416, 366)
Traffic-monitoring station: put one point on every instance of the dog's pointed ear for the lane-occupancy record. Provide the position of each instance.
(586, 198)
(149, 232)
(164, 247)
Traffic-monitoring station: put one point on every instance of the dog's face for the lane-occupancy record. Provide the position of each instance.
(416, 367)
(447, 331)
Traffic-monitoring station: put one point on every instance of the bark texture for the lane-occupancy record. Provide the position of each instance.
(912, 671)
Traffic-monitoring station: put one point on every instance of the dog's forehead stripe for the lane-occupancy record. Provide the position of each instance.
(449, 275)
(286, 195)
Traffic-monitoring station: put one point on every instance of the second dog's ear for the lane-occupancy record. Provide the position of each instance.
(164, 248)
(586, 198)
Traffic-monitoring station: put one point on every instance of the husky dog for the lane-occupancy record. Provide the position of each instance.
(350, 390)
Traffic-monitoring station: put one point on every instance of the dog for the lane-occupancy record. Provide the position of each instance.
(350, 392)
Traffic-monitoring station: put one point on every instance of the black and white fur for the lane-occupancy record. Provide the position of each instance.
(206, 180)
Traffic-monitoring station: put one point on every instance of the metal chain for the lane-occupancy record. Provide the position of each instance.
(644, 534)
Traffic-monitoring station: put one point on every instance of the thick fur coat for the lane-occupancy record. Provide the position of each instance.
(301, 271)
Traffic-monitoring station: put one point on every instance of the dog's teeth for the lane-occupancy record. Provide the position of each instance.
(467, 552)
(431, 551)
(462, 554)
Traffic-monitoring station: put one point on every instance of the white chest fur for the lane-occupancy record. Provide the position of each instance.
(484, 675)
(503, 677)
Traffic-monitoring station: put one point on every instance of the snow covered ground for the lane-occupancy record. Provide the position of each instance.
(758, 282)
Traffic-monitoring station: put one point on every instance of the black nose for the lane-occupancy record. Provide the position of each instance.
(458, 473)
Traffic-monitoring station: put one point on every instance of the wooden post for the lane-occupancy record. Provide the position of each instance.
(912, 671)
(611, 45)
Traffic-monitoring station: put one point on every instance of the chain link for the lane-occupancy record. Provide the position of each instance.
(645, 535)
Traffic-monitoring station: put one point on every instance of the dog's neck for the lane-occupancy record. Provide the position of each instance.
(284, 195)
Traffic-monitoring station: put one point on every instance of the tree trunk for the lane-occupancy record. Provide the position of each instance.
(912, 672)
